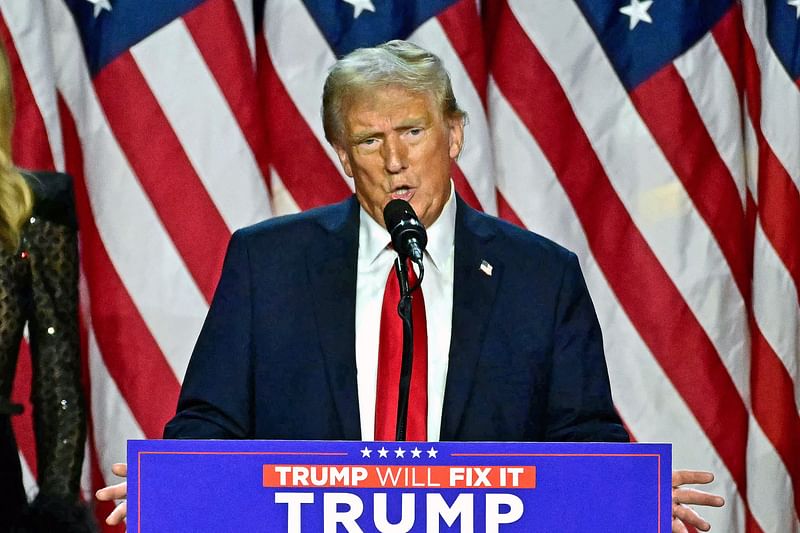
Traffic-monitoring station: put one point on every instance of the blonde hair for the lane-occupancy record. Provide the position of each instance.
(393, 63)
(16, 197)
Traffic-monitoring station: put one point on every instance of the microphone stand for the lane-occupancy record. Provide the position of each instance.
(404, 309)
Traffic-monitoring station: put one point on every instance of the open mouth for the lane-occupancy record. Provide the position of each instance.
(403, 194)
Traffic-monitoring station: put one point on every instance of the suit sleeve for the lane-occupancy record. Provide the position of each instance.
(216, 396)
(579, 406)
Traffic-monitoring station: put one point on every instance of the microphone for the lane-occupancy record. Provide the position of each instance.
(408, 234)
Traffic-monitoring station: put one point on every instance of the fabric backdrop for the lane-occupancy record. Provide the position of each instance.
(658, 139)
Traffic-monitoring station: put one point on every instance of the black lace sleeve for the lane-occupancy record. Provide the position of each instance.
(56, 393)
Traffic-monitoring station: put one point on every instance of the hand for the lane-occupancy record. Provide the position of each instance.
(117, 492)
(681, 513)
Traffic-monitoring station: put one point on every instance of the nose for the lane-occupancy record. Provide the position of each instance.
(395, 155)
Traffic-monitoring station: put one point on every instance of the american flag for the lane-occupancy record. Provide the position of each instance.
(658, 139)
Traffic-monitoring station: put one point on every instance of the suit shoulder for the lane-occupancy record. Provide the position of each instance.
(297, 227)
(525, 241)
(54, 198)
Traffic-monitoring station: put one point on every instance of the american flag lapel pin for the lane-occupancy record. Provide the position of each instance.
(486, 267)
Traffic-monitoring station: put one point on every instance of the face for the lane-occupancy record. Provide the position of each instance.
(398, 144)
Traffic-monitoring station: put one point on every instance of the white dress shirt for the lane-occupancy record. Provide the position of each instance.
(375, 260)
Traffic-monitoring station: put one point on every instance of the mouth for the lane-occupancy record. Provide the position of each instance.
(403, 193)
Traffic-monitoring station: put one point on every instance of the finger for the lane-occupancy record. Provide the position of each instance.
(678, 527)
(692, 477)
(697, 497)
(688, 515)
(120, 469)
(117, 515)
(113, 492)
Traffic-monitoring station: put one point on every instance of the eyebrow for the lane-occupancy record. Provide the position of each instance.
(407, 124)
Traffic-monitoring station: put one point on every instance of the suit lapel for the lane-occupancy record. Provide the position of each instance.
(473, 299)
(332, 272)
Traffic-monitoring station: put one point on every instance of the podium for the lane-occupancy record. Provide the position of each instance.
(347, 486)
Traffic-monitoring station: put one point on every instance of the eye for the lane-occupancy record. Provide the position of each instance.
(415, 131)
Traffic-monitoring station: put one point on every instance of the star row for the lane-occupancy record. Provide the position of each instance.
(399, 453)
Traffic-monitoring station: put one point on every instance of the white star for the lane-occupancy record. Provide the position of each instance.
(383, 452)
(99, 6)
(399, 452)
(637, 11)
(366, 452)
(415, 453)
(360, 5)
(796, 5)
(432, 453)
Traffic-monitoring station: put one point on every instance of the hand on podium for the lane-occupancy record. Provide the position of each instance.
(116, 492)
(682, 497)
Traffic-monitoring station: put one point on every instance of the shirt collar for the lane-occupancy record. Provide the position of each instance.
(373, 238)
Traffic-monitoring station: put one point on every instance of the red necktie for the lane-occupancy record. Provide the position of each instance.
(390, 354)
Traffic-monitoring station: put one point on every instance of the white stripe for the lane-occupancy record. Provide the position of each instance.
(714, 92)
(282, 201)
(476, 157)
(780, 98)
(204, 123)
(769, 486)
(27, 24)
(246, 15)
(644, 395)
(301, 57)
(147, 262)
(643, 179)
(113, 421)
(28, 481)
(775, 306)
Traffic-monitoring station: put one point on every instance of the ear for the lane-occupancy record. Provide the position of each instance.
(344, 159)
(456, 137)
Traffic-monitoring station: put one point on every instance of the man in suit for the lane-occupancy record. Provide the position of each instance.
(290, 348)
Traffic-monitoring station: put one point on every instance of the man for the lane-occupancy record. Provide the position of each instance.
(293, 343)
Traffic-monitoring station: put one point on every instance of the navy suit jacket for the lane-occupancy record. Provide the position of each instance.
(276, 355)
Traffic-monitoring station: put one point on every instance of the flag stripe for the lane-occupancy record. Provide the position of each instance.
(227, 59)
(186, 203)
(641, 389)
(652, 306)
(150, 375)
(191, 99)
(462, 24)
(300, 58)
(37, 132)
(312, 180)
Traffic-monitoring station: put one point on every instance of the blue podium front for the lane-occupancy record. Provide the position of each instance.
(337, 486)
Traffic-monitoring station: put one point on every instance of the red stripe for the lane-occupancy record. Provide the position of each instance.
(154, 152)
(667, 108)
(130, 353)
(464, 188)
(729, 35)
(505, 211)
(778, 197)
(31, 148)
(307, 172)
(644, 289)
(102, 509)
(218, 33)
(774, 405)
(462, 24)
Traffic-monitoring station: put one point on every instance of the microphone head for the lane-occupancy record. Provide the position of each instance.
(403, 225)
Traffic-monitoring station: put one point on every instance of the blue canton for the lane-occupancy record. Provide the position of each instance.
(129, 21)
(783, 28)
(391, 20)
(639, 53)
